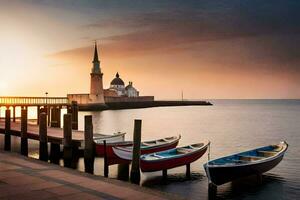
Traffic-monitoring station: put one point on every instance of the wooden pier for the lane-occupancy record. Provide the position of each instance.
(50, 105)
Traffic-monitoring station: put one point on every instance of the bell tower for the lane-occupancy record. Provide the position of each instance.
(96, 90)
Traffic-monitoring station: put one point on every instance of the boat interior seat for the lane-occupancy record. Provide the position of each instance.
(267, 153)
(250, 158)
(277, 148)
(239, 161)
(148, 144)
(169, 138)
(183, 150)
(157, 156)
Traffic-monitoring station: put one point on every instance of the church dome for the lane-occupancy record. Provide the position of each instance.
(117, 80)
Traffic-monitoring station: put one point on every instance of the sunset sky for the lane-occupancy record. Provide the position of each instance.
(207, 49)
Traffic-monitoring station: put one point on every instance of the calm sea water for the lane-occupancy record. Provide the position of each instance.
(231, 126)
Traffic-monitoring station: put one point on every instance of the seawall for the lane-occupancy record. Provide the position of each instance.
(141, 104)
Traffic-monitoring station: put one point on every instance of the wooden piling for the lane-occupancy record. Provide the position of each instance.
(89, 147)
(53, 120)
(24, 137)
(54, 153)
(259, 178)
(43, 137)
(48, 111)
(55, 117)
(188, 171)
(123, 172)
(68, 150)
(7, 138)
(14, 113)
(165, 174)
(135, 175)
(75, 115)
(38, 111)
(212, 191)
(106, 167)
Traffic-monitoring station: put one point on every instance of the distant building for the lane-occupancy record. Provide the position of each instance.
(117, 84)
(131, 91)
(117, 92)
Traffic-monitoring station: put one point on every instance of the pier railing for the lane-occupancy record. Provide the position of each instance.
(33, 101)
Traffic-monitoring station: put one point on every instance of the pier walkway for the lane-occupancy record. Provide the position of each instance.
(55, 135)
(26, 178)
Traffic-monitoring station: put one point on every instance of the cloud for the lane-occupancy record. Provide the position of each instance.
(236, 33)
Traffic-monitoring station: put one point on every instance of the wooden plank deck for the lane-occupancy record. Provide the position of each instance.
(55, 135)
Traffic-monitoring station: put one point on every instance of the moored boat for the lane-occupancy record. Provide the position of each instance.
(146, 147)
(256, 161)
(167, 159)
(115, 137)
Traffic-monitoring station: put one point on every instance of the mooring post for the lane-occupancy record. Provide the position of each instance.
(54, 153)
(135, 175)
(68, 150)
(53, 120)
(74, 115)
(14, 113)
(212, 191)
(24, 137)
(259, 178)
(89, 150)
(58, 116)
(106, 167)
(188, 171)
(165, 174)
(7, 139)
(43, 137)
(123, 172)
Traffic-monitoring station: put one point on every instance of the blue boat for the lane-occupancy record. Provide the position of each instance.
(256, 161)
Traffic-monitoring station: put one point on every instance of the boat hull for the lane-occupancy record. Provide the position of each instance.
(115, 159)
(158, 165)
(221, 174)
(111, 155)
(109, 146)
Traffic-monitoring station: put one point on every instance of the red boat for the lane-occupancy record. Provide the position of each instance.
(146, 147)
(166, 159)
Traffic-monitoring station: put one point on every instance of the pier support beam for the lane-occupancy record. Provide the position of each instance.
(75, 115)
(24, 137)
(188, 171)
(212, 191)
(123, 172)
(259, 178)
(106, 167)
(54, 153)
(43, 151)
(67, 142)
(38, 112)
(7, 137)
(165, 174)
(55, 117)
(14, 113)
(89, 147)
(48, 111)
(135, 175)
